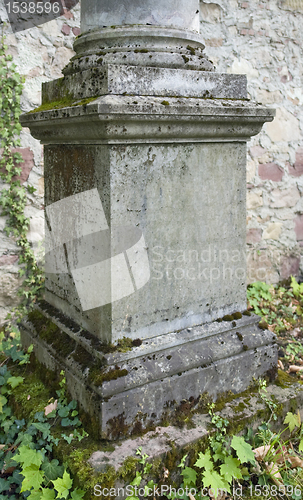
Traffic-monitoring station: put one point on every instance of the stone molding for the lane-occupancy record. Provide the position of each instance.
(139, 46)
(149, 81)
(119, 120)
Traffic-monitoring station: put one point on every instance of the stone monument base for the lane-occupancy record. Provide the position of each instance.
(136, 384)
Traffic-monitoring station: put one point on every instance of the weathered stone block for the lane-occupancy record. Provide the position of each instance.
(253, 235)
(129, 390)
(270, 171)
(290, 266)
(152, 163)
(254, 199)
(272, 231)
(297, 169)
(298, 220)
(145, 182)
(281, 198)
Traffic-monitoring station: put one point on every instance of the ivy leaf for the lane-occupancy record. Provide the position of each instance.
(244, 450)
(3, 402)
(189, 476)
(52, 469)
(35, 495)
(4, 484)
(77, 494)
(44, 428)
(230, 469)
(182, 463)
(211, 479)
(63, 485)
(292, 420)
(68, 438)
(28, 456)
(219, 455)
(301, 446)
(66, 422)
(205, 461)
(48, 494)
(63, 412)
(14, 381)
(137, 480)
(72, 405)
(33, 478)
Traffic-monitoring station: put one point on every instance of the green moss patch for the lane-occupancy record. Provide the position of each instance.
(65, 102)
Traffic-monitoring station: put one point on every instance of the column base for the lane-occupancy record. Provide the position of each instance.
(137, 384)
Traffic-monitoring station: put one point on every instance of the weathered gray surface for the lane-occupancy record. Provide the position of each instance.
(173, 168)
(149, 81)
(161, 372)
(193, 228)
(157, 443)
(186, 196)
(154, 443)
(150, 12)
(166, 47)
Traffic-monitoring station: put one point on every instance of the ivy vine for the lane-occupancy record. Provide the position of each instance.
(13, 196)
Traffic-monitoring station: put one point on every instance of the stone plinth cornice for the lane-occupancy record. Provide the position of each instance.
(124, 119)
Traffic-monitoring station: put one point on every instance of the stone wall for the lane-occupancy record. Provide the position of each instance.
(263, 40)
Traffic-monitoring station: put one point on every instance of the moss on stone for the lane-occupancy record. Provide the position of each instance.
(263, 324)
(227, 317)
(247, 313)
(128, 469)
(98, 375)
(30, 397)
(191, 49)
(284, 380)
(51, 334)
(65, 102)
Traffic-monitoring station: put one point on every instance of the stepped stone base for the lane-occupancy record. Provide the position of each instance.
(134, 390)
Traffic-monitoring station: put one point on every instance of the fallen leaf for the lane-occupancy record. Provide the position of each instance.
(9, 470)
(295, 461)
(261, 452)
(295, 332)
(28, 397)
(191, 497)
(51, 407)
(273, 470)
(165, 473)
(295, 369)
(280, 364)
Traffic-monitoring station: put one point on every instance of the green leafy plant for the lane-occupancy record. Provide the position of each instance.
(219, 468)
(136, 483)
(270, 403)
(278, 462)
(257, 293)
(297, 289)
(13, 197)
(26, 447)
(294, 351)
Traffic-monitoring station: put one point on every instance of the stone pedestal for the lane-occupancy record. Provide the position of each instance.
(145, 182)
